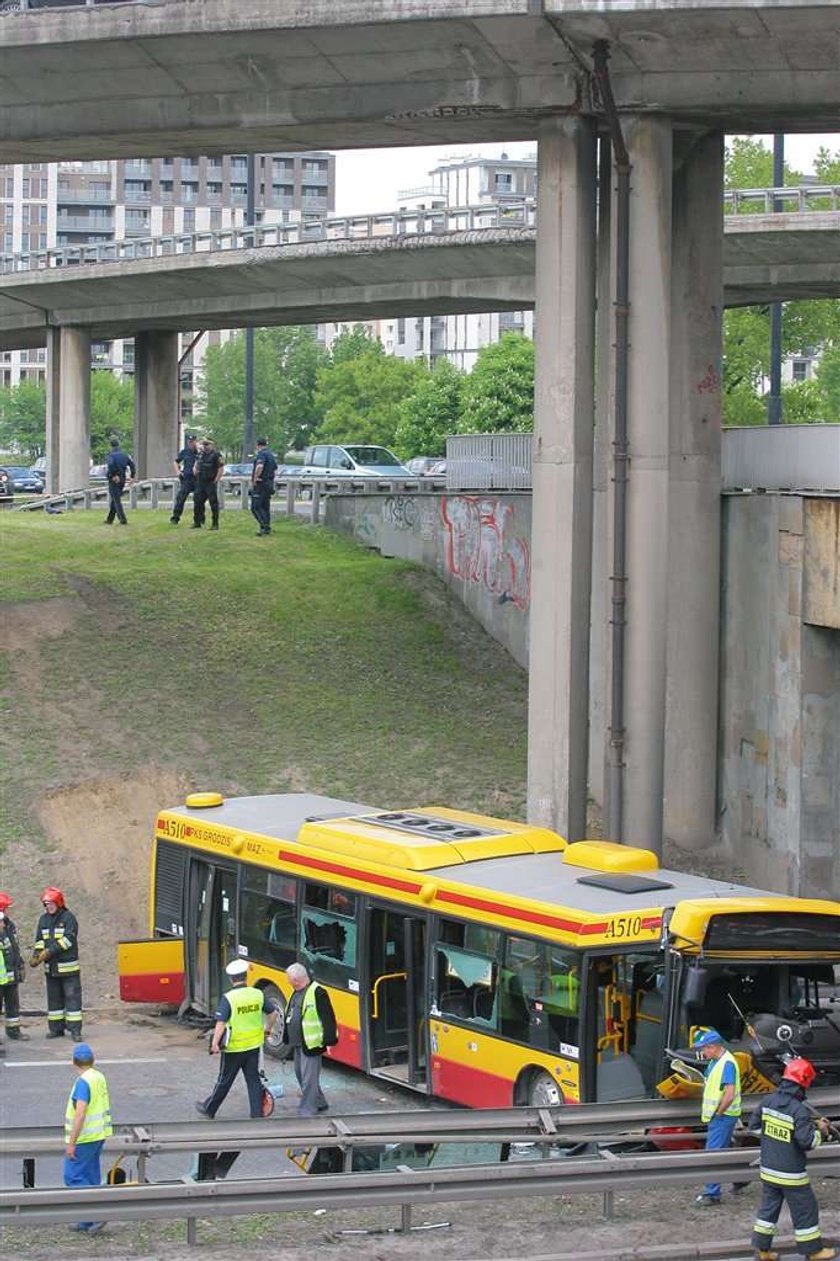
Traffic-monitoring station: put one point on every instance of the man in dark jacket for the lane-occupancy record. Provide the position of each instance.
(184, 466)
(118, 467)
(57, 947)
(262, 485)
(11, 971)
(208, 471)
(309, 1029)
(788, 1133)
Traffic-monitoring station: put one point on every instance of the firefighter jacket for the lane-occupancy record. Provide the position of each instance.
(58, 936)
(787, 1134)
(11, 964)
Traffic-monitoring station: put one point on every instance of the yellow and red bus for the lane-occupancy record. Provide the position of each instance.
(483, 961)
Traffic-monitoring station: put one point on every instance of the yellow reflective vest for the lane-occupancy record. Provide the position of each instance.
(310, 1022)
(97, 1122)
(713, 1088)
(246, 1018)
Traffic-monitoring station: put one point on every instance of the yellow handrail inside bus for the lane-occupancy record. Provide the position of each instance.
(386, 976)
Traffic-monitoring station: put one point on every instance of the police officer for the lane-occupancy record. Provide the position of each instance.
(11, 971)
(184, 466)
(208, 471)
(238, 1034)
(721, 1105)
(788, 1132)
(262, 485)
(87, 1123)
(309, 1029)
(57, 947)
(118, 466)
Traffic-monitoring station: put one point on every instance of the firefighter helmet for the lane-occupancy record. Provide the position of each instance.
(6, 900)
(52, 894)
(801, 1071)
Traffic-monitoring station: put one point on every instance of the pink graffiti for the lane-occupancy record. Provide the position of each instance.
(483, 546)
(710, 383)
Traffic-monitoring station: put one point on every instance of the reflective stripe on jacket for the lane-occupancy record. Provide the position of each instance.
(713, 1088)
(787, 1134)
(246, 1018)
(97, 1122)
(58, 934)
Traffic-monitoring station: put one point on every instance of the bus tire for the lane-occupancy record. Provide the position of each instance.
(543, 1091)
(274, 1046)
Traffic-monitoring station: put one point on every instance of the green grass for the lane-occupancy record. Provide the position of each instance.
(297, 662)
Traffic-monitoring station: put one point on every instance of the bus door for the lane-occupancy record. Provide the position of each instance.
(210, 932)
(627, 1020)
(397, 1026)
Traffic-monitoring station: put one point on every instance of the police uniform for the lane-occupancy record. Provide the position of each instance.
(242, 1010)
(186, 460)
(262, 486)
(57, 935)
(787, 1133)
(83, 1168)
(11, 973)
(309, 1028)
(206, 468)
(118, 464)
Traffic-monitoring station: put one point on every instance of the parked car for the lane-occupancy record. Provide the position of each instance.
(98, 474)
(5, 487)
(436, 469)
(39, 468)
(21, 479)
(243, 469)
(419, 465)
(352, 460)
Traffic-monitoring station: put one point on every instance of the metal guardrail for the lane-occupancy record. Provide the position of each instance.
(439, 221)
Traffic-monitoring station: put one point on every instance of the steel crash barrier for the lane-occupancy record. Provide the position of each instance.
(598, 1142)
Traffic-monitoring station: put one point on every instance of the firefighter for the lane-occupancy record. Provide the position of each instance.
(788, 1133)
(57, 948)
(11, 971)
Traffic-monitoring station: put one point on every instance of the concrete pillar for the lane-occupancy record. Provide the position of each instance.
(599, 673)
(562, 497)
(650, 144)
(694, 507)
(68, 408)
(155, 402)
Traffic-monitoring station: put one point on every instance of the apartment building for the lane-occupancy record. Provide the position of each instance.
(43, 205)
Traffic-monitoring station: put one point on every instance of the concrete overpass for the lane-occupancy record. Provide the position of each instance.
(186, 77)
(222, 281)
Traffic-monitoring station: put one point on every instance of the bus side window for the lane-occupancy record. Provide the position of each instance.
(328, 933)
(467, 983)
(268, 919)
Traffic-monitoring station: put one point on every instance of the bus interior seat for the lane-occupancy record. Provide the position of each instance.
(619, 1078)
(648, 1028)
(278, 932)
(483, 1002)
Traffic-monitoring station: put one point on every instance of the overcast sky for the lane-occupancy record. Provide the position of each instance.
(371, 179)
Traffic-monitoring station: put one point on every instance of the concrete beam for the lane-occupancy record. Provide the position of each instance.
(68, 408)
(156, 418)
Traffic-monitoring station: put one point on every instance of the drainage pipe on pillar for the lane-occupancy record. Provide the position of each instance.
(618, 598)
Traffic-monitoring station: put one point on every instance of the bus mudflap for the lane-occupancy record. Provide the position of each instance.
(151, 970)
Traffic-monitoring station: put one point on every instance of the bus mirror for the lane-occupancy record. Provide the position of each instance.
(694, 991)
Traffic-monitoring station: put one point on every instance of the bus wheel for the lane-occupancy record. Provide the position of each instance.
(274, 1044)
(543, 1091)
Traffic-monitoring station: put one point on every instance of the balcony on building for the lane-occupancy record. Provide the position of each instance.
(283, 196)
(92, 194)
(238, 194)
(84, 223)
(189, 192)
(136, 223)
(138, 168)
(238, 169)
(314, 198)
(316, 172)
(138, 190)
(189, 168)
(214, 194)
(167, 192)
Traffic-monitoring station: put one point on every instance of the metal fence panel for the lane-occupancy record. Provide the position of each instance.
(782, 457)
(489, 461)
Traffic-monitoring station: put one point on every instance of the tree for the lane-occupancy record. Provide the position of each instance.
(353, 343)
(802, 403)
(828, 381)
(111, 412)
(431, 412)
(286, 364)
(360, 398)
(499, 392)
(23, 419)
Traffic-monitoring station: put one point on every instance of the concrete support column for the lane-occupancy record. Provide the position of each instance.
(562, 496)
(694, 508)
(649, 141)
(155, 402)
(68, 408)
(599, 671)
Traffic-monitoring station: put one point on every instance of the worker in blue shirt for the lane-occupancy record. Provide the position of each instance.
(184, 466)
(87, 1124)
(118, 467)
(721, 1105)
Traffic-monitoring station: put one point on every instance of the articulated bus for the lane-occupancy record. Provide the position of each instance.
(482, 961)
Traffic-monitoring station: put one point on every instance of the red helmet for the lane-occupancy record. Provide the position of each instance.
(801, 1071)
(52, 894)
(6, 900)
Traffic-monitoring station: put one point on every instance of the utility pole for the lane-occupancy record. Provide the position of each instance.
(248, 438)
(774, 401)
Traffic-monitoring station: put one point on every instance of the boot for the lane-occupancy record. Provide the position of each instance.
(55, 1033)
(76, 1034)
(824, 1254)
(767, 1255)
(17, 1035)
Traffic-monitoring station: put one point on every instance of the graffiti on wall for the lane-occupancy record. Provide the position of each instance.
(484, 544)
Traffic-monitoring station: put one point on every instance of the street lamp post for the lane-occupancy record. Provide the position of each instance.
(248, 438)
(774, 401)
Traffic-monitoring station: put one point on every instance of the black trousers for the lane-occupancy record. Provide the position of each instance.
(115, 508)
(185, 489)
(205, 492)
(10, 1004)
(64, 1002)
(248, 1062)
(804, 1213)
(261, 508)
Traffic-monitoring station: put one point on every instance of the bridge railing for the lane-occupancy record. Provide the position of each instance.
(388, 225)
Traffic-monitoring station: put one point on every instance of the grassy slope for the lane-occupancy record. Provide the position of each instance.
(301, 661)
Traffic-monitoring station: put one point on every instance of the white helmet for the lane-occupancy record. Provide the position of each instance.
(237, 967)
